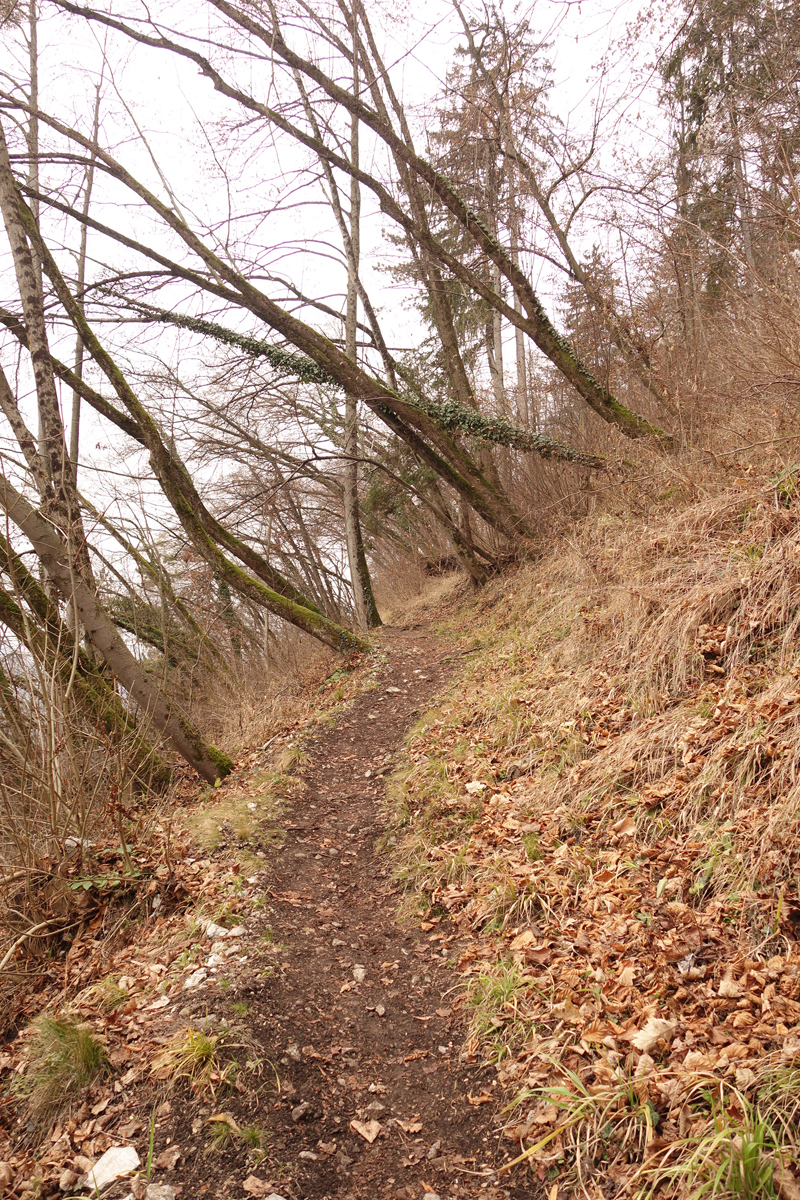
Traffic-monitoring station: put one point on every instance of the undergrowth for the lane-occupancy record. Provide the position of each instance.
(607, 800)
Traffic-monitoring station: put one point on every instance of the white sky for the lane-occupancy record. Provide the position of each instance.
(177, 111)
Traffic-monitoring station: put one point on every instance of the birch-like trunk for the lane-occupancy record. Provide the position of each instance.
(523, 409)
(75, 422)
(366, 610)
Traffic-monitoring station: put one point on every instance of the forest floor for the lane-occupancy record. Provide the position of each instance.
(370, 1097)
(507, 907)
(324, 1058)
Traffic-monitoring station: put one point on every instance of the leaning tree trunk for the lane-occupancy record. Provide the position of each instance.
(366, 609)
(102, 634)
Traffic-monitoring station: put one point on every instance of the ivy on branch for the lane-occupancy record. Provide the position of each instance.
(449, 415)
(283, 361)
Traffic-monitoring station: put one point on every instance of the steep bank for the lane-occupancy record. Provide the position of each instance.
(606, 799)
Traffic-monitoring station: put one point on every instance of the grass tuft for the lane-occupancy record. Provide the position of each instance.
(63, 1057)
(195, 1057)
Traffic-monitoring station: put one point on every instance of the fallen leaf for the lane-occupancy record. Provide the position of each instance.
(568, 1011)
(538, 955)
(481, 1098)
(624, 827)
(695, 1060)
(257, 1187)
(729, 988)
(545, 1116)
(224, 1118)
(167, 1159)
(369, 1130)
(409, 1126)
(787, 1185)
(652, 1033)
(745, 1078)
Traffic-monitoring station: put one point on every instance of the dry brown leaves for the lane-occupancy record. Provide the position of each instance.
(625, 858)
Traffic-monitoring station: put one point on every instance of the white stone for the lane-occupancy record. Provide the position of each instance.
(215, 931)
(114, 1164)
(195, 979)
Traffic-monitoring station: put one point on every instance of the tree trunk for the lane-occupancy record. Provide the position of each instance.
(523, 410)
(366, 610)
(103, 635)
(75, 423)
(60, 497)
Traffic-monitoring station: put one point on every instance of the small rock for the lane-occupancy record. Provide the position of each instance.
(195, 979)
(332, 851)
(159, 1191)
(434, 1149)
(66, 1180)
(380, 1010)
(301, 1110)
(359, 973)
(214, 960)
(430, 1196)
(394, 691)
(117, 1162)
(327, 1147)
(308, 1155)
(213, 932)
(294, 1052)
(237, 931)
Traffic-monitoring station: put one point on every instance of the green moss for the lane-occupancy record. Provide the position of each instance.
(222, 761)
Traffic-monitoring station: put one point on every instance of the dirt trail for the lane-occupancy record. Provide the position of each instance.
(357, 1019)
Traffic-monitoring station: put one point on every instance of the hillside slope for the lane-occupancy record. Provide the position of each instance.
(592, 827)
(607, 798)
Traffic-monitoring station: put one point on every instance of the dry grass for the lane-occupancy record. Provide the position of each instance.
(608, 793)
(62, 1058)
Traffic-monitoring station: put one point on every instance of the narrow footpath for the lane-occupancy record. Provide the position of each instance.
(356, 1021)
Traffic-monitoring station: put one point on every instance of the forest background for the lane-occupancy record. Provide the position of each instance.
(303, 304)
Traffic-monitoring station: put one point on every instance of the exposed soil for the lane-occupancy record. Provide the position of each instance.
(350, 1009)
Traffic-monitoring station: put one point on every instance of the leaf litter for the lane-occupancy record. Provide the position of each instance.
(627, 871)
(622, 883)
(153, 994)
